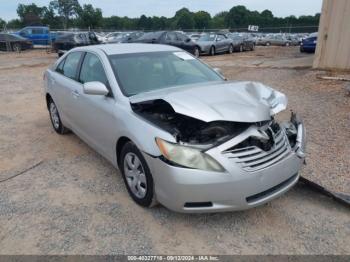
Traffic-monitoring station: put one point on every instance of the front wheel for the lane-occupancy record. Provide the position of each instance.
(268, 44)
(137, 176)
(56, 120)
(287, 44)
(241, 48)
(212, 51)
(196, 51)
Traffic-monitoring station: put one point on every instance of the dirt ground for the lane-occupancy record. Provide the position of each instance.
(75, 202)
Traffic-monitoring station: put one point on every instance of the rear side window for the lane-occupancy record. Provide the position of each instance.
(92, 70)
(71, 64)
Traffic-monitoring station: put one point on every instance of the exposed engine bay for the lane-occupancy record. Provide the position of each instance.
(186, 129)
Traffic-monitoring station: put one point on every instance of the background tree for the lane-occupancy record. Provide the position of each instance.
(218, 21)
(238, 16)
(202, 20)
(2, 24)
(50, 18)
(184, 19)
(90, 17)
(30, 14)
(68, 13)
(66, 9)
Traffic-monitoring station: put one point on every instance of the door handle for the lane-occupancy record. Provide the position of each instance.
(75, 94)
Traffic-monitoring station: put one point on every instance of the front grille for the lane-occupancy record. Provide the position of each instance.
(254, 157)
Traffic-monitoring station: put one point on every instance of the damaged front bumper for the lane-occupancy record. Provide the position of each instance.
(252, 176)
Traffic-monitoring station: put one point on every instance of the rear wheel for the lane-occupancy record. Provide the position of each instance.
(212, 50)
(16, 47)
(252, 47)
(137, 176)
(287, 44)
(241, 48)
(268, 44)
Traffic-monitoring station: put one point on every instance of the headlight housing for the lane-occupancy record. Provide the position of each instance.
(188, 156)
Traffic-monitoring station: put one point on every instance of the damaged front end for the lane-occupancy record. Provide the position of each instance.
(185, 129)
(241, 115)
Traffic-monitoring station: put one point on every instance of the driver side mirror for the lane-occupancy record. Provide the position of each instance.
(95, 88)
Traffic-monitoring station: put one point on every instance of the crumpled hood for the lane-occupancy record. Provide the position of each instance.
(221, 101)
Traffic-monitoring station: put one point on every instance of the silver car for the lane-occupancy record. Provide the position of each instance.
(212, 44)
(178, 131)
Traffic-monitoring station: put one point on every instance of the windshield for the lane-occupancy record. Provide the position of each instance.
(208, 37)
(144, 72)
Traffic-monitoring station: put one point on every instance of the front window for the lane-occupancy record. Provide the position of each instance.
(144, 72)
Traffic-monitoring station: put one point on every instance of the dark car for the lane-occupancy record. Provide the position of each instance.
(241, 43)
(308, 45)
(70, 40)
(17, 43)
(170, 38)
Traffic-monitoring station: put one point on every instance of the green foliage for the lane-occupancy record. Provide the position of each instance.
(30, 14)
(68, 13)
(202, 20)
(2, 24)
(14, 24)
(89, 17)
(66, 9)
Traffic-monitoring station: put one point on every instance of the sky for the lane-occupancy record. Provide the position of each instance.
(135, 8)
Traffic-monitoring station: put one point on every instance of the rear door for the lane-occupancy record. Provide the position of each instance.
(220, 43)
(65, 88)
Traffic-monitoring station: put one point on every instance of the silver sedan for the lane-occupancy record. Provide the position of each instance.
(180, 134)
(212, 44)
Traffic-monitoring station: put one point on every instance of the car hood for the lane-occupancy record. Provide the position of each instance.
(220, 101)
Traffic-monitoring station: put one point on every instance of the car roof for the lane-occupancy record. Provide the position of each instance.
(116, 49)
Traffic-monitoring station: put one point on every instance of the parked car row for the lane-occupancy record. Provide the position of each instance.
(193, 42)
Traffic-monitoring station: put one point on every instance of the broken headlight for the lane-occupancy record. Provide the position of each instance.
(188, 156)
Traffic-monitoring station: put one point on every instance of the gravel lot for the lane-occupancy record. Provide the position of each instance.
(74, 202)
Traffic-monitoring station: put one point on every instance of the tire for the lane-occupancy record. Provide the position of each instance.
(241, 48)
(55, 119)
(212, 51)
(230, 49)
(287, 44)
(196, 51)
(268, 44)
(137, 176)
(252, 48)
(16, 47)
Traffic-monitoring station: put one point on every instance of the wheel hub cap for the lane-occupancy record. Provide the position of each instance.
(135, 175)
(54, 116)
